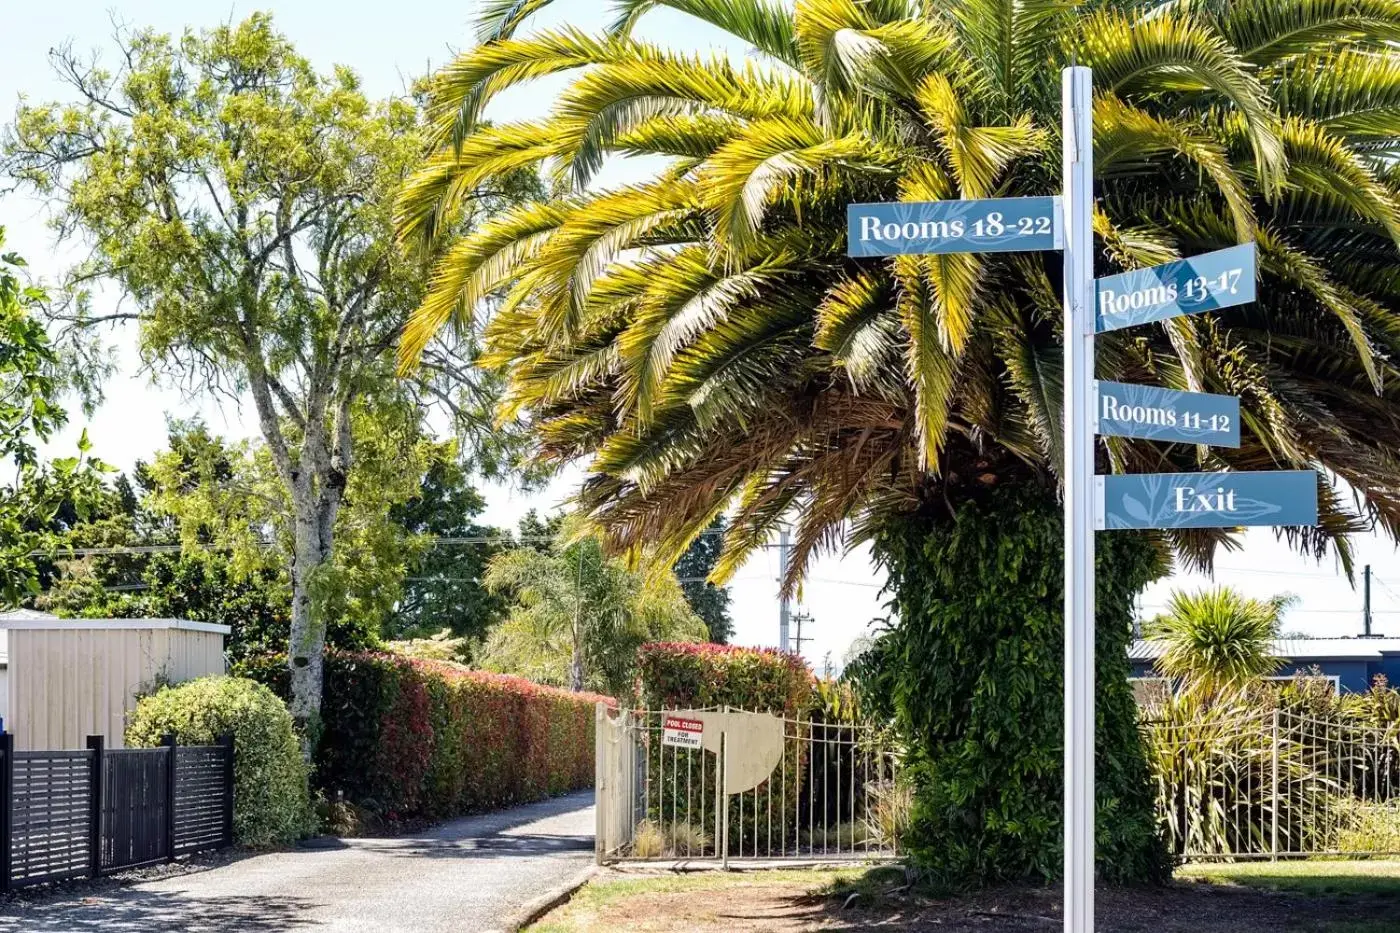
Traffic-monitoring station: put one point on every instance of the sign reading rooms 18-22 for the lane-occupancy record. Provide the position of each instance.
(991, 225)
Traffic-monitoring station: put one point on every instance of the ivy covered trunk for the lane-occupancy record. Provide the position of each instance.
(973, 673)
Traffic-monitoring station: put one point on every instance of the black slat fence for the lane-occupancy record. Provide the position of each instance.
(72, 814)
(50, 816)
(203, 801)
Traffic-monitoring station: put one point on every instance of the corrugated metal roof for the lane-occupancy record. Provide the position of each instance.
(27, 614)
(1295, 649)
(29, 619)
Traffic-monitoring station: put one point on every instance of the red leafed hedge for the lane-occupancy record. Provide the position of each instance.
(407, 737)
(684, 674)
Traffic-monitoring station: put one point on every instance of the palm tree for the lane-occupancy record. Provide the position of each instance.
(578, 617)
(701, 339)
(1217, 640)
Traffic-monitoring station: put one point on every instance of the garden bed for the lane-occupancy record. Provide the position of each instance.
(1213, 899)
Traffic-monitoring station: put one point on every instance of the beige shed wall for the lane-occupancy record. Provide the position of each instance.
(67, 684)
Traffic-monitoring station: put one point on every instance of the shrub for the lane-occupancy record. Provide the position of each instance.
(408, 737)
(1366, 827)
(270, 802)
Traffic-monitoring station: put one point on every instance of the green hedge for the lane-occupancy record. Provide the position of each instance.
(971, 674)
(684, 674)
(270, 802)
(406, 737)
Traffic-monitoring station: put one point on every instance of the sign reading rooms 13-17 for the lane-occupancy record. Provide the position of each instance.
(1206, 282)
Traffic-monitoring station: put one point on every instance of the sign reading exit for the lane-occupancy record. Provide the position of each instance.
(1207, 500)
(991, 225)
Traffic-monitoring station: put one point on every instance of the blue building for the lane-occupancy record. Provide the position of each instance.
(1350, 663)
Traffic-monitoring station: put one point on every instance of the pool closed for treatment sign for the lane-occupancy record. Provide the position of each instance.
(682, 733)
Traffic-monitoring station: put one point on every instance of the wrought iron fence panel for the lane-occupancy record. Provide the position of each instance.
(1276, 783)
(834, 794)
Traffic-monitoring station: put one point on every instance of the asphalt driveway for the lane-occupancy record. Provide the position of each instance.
(471, 875)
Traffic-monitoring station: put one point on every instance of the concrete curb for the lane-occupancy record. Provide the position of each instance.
(548, 901)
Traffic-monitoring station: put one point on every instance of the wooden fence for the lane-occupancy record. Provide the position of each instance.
(75, 814)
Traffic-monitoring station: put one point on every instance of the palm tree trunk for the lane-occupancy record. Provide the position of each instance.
(975, 670)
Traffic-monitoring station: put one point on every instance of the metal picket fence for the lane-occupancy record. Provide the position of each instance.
(1280, 783)
(835, 795)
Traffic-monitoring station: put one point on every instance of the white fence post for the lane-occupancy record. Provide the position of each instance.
(1273, 834)
(602, 787)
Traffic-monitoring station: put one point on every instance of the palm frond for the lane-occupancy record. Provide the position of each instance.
(764, 25)
(1177, 51)
(473, 267)
(433, 195)
(461, 90)
(1267, 31)
(1129, 141)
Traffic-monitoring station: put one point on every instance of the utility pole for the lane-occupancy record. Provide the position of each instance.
(1366, 605)
(799, 618)
(784, 606)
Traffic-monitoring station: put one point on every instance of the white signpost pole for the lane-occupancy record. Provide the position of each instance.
(1078, 207)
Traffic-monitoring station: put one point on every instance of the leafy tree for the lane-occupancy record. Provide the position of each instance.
(242, 202)
(40, 495)
(577, 616)
(443, 588)
(1217, 639)
(200, 586)
(221, 502)
(703, 341)
(540, 533)
(710, 602)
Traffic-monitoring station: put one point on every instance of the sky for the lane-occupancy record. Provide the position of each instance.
(389, 45)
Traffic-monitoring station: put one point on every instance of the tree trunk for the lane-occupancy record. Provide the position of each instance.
(308, 632)
(576, 663)
(973, 675)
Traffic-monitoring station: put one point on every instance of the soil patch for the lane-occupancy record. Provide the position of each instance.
(785, 901)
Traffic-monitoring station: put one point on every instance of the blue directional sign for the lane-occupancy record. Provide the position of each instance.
(1207, 500)
(991, 225)
(1188, 286)
(1167, 415)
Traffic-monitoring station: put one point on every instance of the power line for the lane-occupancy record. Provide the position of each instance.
(1154, 606)
(1219, 571)
(432, 540)
(874, 586)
